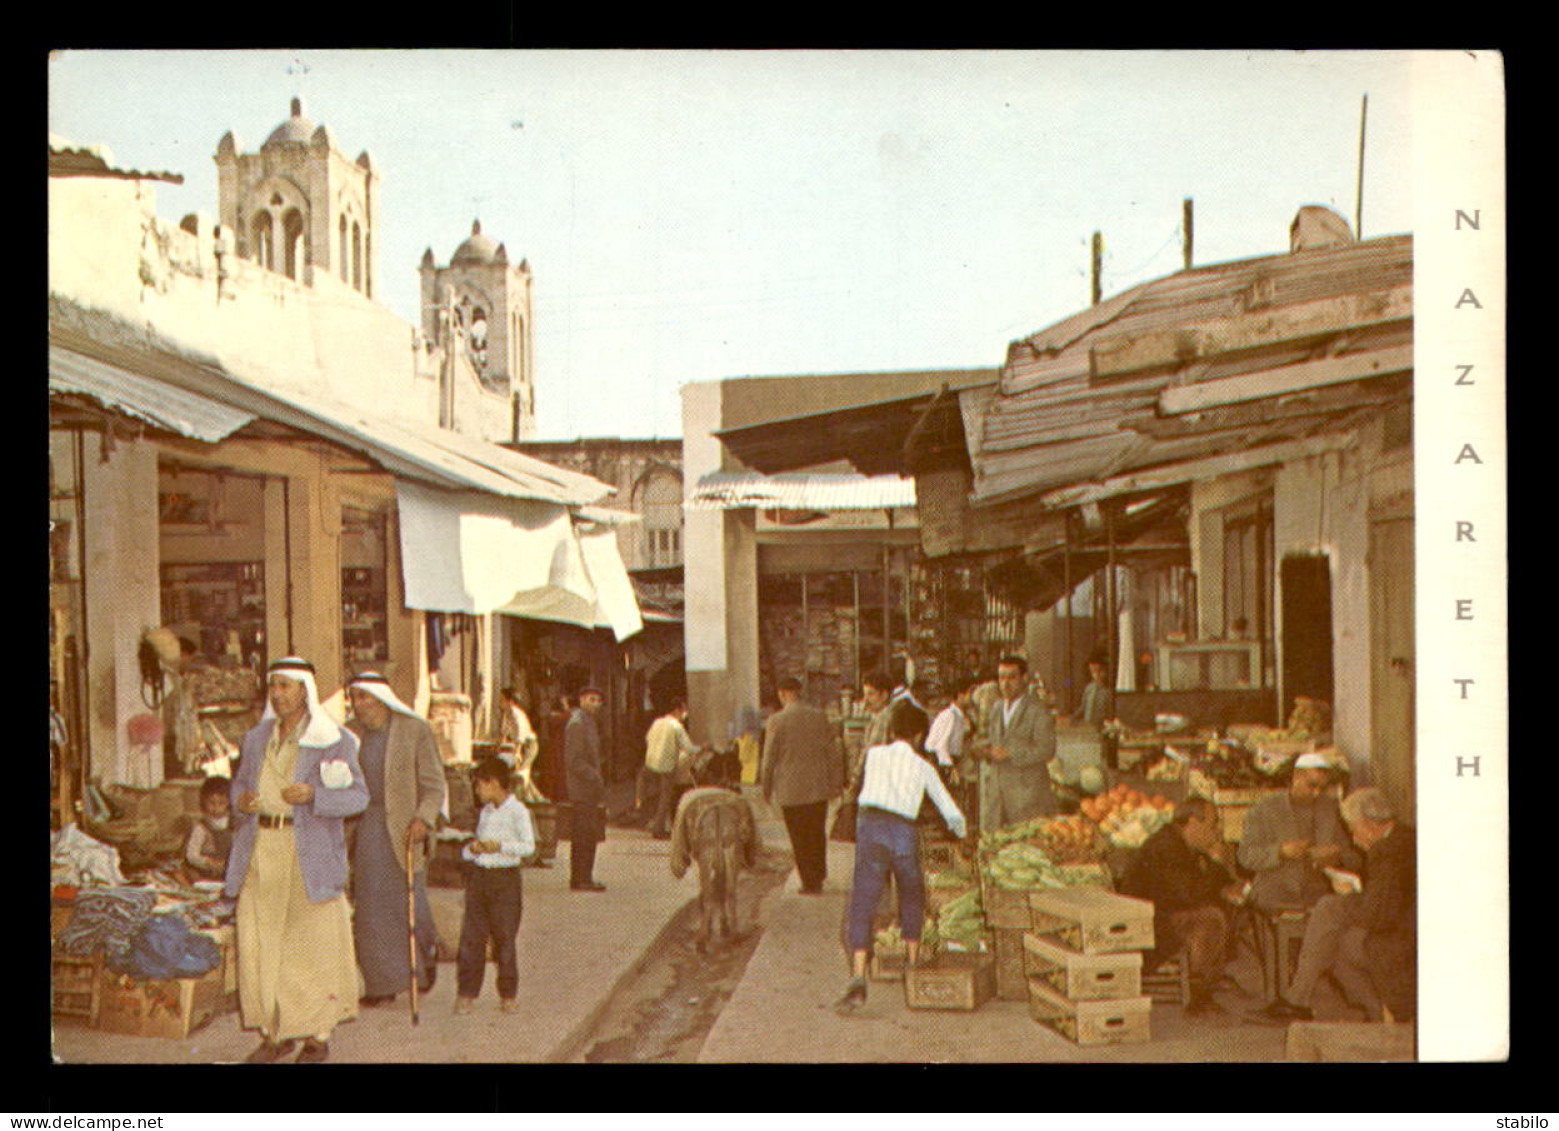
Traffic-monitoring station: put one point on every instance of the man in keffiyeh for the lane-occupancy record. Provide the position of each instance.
(405, 778)
(297, 781)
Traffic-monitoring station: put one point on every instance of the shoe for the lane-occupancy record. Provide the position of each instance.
(269, 1052)
(509, 1005)
(427, 985)
(1283, 1011)
(465, 1004)
(375, 999)
(818, 890)
(314, 1052)
(589, 885)
(854, 997)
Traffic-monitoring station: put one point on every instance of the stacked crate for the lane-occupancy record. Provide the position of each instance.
(1083, 960)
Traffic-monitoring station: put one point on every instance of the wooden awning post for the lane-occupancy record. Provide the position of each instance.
(1065, 682)
(1111, 612)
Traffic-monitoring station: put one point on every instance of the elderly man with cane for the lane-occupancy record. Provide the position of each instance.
(297, 782)
(405, 778)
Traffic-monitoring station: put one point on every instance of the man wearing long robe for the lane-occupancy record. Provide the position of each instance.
(297, 782)
(405, 778)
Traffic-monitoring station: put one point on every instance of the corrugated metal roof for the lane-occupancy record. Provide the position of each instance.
(1080, 401)
(144, 398)
(420, 453)
(76, 162)
(722, 490)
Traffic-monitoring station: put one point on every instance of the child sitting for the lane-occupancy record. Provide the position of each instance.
(504, 838)
(211, 836)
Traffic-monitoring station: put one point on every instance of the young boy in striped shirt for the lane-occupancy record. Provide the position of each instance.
(894, 781)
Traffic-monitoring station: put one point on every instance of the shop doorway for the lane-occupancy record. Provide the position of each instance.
(1306, 583)
(1392, 660)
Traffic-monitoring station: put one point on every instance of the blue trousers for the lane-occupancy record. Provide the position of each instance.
(884, 843)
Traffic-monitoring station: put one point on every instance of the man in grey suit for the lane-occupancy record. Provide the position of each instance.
(803, 770)
(1019, 743)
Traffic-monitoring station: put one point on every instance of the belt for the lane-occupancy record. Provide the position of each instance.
(269, 822)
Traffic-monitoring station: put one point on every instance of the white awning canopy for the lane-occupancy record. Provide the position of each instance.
(728, 490)
(472, 552)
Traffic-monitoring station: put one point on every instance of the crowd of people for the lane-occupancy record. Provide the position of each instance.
(323, 834)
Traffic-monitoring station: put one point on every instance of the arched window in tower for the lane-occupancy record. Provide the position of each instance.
(368, 275)
(660, 508)
(263, 243)
(477, 338)
(294, 253)
(357, 256)
(346, 257)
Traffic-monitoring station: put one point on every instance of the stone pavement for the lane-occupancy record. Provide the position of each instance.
(783, 1009)
(574, 949)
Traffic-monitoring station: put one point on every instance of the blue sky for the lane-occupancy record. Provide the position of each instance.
(697, 215)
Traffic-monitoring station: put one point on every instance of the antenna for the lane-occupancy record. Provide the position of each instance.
(1358, 212)
(1098, 259)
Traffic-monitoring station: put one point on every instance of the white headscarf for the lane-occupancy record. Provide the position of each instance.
(379, 687)
(321, 729)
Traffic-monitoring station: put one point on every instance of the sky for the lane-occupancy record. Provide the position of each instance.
(697, 215)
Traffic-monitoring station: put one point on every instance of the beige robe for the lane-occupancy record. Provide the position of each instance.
(297, 968)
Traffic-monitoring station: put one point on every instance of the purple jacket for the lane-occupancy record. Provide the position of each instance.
(319, 826)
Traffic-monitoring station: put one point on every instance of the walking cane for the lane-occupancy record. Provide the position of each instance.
(411, 925)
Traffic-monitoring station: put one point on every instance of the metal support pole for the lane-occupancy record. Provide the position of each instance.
(1111, 613)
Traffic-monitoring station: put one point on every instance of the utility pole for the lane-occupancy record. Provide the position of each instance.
(1358, 213)
(1187, 228)
(1098, 260)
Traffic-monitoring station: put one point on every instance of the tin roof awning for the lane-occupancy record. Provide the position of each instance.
(426, 454)
(800, 491)
(157, 403)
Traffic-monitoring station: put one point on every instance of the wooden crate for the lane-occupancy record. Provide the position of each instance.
(1003, 907)
(171, 1009)
(1118, 1021)
(76, 981)
(888, 965)
(1092, 920)
(1011, 982)
(953, 981)
(1232, 803)
(226, 939)
(1083, 977)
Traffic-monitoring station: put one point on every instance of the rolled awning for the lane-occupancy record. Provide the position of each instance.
(472, 552)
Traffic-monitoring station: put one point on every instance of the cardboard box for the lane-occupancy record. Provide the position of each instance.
(1092, 920)
(953, 981)
(171, 1009)
(1083, 977)
(1118, 1021)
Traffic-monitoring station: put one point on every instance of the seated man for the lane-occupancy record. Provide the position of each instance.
(1365, 934)
(1183, 869)
(1289, 837)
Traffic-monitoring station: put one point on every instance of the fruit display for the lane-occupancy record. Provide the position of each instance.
(1071, 840)
(1026, 867)
(1128, 817)
(891, 940)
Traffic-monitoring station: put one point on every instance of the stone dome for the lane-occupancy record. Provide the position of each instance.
(477, 248)
(295, 128)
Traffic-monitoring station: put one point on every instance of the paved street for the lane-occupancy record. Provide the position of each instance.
(580, 954)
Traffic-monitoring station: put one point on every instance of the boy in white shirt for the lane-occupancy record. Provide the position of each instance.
(894, 781)
(504, 838)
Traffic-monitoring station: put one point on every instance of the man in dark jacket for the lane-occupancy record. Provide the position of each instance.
(1183, 869)
(1365, 934)
(586, 787)
(803, 770)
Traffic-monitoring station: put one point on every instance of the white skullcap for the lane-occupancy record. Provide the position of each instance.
(1312, 761)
